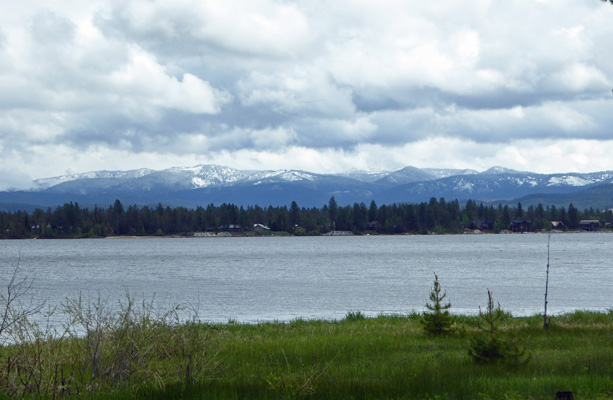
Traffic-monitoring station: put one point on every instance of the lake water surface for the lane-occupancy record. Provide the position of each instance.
(283, 278)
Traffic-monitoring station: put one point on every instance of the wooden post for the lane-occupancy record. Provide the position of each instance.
(545, 320)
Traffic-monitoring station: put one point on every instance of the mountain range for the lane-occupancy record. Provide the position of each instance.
(204, 184)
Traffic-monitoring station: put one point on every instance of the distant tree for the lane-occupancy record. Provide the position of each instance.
(453, 210)
(422, 212)
(233, 214)
(410, 219)
(506, 217)
(372, 211)
(540, 211)
(562, 216)
(280, 221)
(333, 211)
(519, 212)
(470, 210)
(432, 214)
(344, 221)
(437, 320)
(117, 207)
(294, 215)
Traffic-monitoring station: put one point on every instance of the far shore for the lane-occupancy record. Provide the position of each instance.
(340, 233)
(226, 234)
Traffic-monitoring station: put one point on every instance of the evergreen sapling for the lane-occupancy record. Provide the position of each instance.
(489, 346)
(437, 320)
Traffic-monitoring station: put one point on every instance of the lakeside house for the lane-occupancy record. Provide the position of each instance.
(589, 225)
(557, 224)
(260, 228)
(521, 226)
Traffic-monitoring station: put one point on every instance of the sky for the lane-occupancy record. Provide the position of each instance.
(322, 86)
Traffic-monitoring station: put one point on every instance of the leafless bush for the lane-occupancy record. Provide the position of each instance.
(33, 344)
(37, 354)
(16, 302)
(100, 347)
(135, 345)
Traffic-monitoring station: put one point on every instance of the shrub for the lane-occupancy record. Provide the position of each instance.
(490, 346)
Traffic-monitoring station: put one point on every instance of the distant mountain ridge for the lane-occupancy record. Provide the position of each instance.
(204, 184)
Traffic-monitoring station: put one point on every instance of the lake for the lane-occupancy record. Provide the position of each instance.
(251, 279)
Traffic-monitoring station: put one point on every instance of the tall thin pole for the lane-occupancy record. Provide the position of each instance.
(545, 321)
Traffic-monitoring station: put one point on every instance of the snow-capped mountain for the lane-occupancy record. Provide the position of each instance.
(499, 184)
(205, 184)
(176, 178)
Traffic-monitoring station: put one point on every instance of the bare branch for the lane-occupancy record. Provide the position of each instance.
(15, 305)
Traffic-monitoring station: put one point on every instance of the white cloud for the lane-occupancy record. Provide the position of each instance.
(108, 84)
(578, 78)
(143, 83)
(258, 27)
(299, 91)
(278, 138)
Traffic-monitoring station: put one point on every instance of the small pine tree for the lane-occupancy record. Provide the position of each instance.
(517, 355)
(489, 346)
(437, 320)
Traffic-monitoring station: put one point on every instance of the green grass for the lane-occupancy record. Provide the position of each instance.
(387, 357)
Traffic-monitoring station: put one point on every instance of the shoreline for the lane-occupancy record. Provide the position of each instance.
(225, 234)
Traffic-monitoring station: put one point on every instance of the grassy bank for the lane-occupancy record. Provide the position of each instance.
(388, 357)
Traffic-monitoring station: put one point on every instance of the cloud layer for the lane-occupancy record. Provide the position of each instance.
(322, 86)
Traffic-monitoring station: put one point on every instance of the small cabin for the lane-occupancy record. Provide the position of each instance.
(557, 224)
(589, 225)
(260, 228)
(521, 226)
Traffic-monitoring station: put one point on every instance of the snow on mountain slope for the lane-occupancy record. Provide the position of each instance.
(50, 182)
(282, 175)
(439, 173)
(406, 175)
(497, 170)
(568, 181)
(365, 175)
(207, 175)
(202, 176)
(176, 178)
(580, 179)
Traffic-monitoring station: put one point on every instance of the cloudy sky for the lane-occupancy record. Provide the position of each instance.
(324, 86)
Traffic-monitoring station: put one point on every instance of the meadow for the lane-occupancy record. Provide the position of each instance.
(141, 354)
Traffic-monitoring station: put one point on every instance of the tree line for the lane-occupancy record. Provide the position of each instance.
(437, 215)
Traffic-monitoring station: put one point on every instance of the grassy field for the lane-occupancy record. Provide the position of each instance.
(388, 357)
